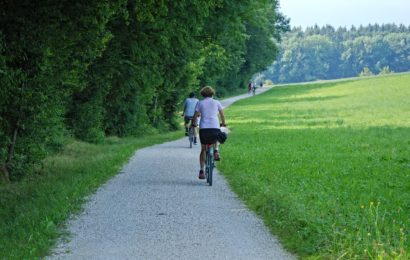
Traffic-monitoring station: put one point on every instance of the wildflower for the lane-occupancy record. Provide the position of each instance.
(362, 206)
(368, 234)
(371, 203)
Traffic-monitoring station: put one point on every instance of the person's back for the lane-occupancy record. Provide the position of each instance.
(208, 109)
(189, 111)
(189, 106)
(209, 113)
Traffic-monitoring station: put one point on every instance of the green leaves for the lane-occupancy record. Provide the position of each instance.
(326, 53)
(118, 67)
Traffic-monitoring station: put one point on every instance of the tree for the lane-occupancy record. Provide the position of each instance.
(121, 67)
(41, 68)
(325, 53)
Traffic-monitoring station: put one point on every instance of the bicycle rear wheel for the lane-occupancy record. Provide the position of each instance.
(191, 136)
(210, 166)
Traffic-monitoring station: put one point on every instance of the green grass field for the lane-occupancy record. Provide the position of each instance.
(33, 211)
(327, 165)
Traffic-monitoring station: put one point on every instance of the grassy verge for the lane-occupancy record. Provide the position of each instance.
(33, 211)
(327, 165)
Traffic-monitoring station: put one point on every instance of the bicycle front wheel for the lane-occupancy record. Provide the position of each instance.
(210, 166)
(191, 136)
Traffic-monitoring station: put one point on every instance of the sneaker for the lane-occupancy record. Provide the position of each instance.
(201, 174)
(216, 156)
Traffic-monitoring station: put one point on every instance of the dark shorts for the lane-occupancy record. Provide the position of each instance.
(208, 135)
(187, 119)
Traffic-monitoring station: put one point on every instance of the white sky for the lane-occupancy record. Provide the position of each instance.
(345, 12)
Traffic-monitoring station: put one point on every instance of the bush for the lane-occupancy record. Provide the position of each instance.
(385, 70)
(366, 72)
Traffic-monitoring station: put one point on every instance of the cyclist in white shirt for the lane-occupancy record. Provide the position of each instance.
(189, 111)
(209, 127)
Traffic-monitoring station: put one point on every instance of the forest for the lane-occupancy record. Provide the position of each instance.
(320, 53)
(91, 69)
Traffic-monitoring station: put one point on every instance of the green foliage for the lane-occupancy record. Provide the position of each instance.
(385, 70)
(43, 66)
(327, 165)
(328, 53)
(246, 44)
(119, 67)
(366, 72)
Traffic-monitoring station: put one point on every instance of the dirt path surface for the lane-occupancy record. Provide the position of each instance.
(157, 208)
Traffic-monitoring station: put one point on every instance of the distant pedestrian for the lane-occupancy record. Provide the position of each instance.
(249, 87)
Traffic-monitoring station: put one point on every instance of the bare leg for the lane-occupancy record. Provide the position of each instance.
(196, 131)
(186, 124)
(202, 156)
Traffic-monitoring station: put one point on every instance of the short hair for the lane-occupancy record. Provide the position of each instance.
(192, 94)
(207, 91)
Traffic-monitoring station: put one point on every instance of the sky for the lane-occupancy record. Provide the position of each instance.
(345, 12)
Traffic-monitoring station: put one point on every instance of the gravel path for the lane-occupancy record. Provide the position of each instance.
(156, 208)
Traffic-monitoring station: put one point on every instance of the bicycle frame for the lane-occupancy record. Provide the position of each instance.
(191, 135)
(209, 163)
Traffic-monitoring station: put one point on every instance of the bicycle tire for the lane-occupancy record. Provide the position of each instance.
(210, 164)
(191, 136)
(207, 169)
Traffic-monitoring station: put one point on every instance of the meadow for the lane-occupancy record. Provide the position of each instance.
(327, 165)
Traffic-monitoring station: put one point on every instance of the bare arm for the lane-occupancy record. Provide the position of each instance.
(222, 116)
(183, 111)
(195, 118)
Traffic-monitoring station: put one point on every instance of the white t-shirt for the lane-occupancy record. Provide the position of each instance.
(189, 106)
(209, 109)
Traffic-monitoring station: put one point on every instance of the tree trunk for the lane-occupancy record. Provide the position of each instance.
(3, 167)
(13, 144)
(4, 173)
(154, 120)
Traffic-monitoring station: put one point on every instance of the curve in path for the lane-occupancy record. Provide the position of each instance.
(156, 208)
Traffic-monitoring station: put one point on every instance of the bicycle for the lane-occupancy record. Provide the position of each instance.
(209, 163)
(191, 135)
(190, 131)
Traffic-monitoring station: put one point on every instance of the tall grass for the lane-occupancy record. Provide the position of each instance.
(327, 165)
(33, 211)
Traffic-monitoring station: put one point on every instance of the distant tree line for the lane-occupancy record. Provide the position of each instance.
(329, 53)
(94, 68)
